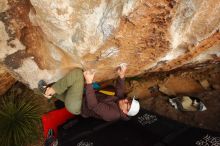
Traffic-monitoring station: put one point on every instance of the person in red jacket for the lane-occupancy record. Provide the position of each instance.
(98, 105)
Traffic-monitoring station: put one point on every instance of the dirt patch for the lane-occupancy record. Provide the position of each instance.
(208, 119)
(203, 84)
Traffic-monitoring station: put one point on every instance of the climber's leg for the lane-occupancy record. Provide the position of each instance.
(73, 84)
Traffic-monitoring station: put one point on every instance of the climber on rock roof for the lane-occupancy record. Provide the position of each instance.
(69, 89)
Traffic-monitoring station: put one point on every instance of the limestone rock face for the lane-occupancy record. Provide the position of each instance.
(46, 39)
(6, 80)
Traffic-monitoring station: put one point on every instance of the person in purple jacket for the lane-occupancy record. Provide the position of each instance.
(69, 89)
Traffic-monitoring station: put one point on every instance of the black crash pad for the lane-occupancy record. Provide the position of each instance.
(145, 129)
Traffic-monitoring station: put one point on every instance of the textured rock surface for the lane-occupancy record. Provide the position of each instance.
(6, 80)
(45, 39)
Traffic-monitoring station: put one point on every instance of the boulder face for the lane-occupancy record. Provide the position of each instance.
(46, 39)
(6, 81)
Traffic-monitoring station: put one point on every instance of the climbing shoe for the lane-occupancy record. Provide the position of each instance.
(42, 86)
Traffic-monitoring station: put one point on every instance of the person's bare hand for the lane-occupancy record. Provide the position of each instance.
(89, 76)
(49, 92)
(121, 70)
